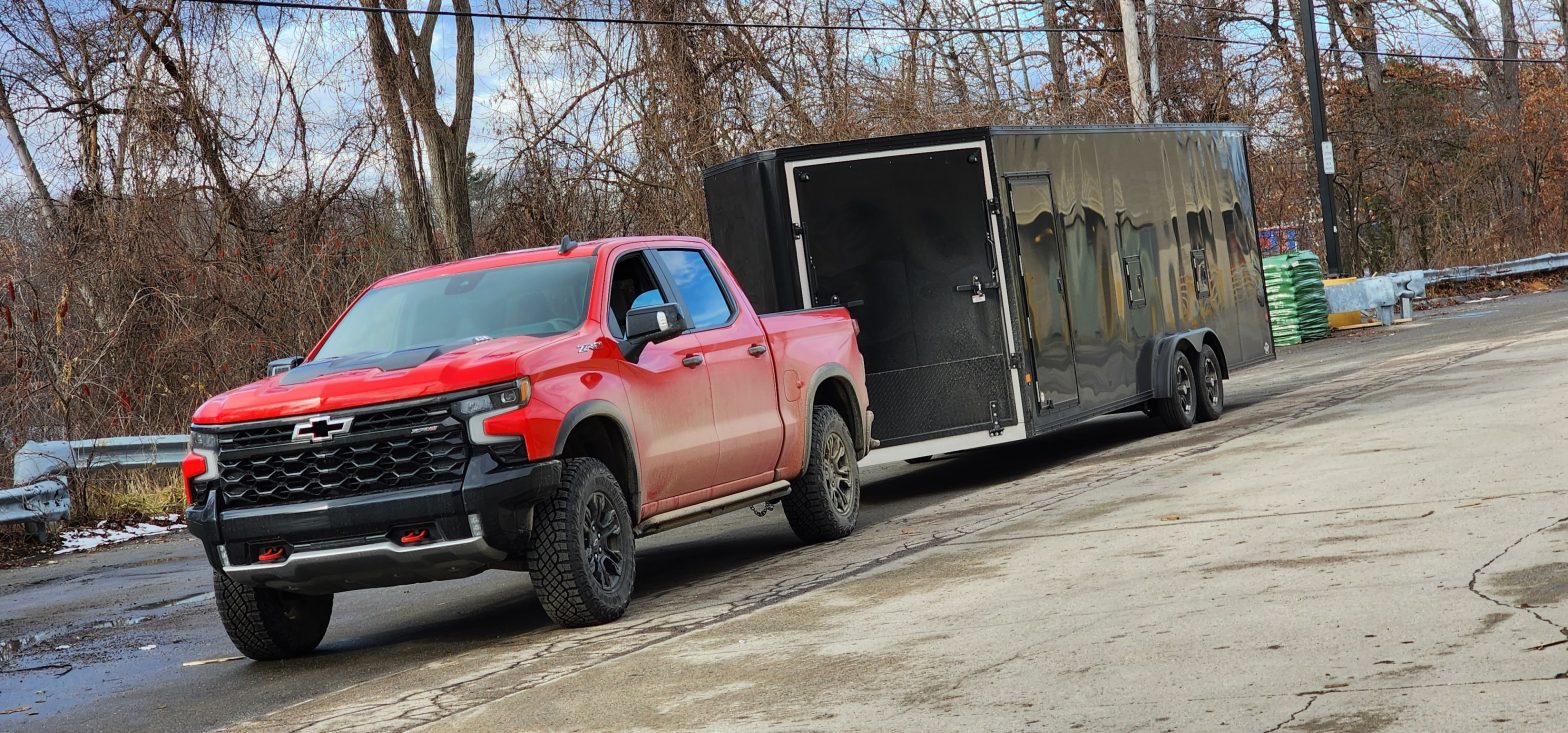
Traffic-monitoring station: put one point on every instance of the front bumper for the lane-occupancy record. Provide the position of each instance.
(347, 543)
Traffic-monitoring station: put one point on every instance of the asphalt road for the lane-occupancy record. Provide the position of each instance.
(100, 639)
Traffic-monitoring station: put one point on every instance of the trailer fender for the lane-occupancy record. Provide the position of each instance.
(1165, 354)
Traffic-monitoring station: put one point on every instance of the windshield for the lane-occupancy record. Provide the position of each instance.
(538, 299)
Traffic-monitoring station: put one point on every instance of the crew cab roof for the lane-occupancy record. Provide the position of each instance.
(524, 256)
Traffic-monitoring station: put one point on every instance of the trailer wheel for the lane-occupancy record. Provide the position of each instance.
(1211, 386)
(267, 624)
(825, 499)
(581, 557)
(1179, 410)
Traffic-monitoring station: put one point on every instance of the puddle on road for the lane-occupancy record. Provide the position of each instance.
(12, 649)
(197, 598)
(15, 648)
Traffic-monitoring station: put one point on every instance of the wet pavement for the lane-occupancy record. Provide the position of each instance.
(108, 634)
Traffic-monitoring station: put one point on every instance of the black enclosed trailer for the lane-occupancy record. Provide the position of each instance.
(1010, 281)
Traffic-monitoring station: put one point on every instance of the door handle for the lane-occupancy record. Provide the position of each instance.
(757, 350)
(692, 361)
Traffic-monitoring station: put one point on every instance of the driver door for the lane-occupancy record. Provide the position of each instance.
(671, 398)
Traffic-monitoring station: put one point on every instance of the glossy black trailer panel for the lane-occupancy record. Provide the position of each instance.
(904, 241)
(1105, 244)
(1158, 237)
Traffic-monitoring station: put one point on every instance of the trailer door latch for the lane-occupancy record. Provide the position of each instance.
(975, 288)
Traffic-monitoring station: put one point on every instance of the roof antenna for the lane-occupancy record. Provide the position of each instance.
(567, 244)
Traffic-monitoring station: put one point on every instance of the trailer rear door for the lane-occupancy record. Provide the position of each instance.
(1037, 229)
(904, 239)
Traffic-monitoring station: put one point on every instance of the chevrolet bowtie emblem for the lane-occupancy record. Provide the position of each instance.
(321, 427)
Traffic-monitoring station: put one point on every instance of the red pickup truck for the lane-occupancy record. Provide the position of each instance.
(535, 410)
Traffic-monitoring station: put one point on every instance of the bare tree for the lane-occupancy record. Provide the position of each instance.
(24, 157)
(406, 65)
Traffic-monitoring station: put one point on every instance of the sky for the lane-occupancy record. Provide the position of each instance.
(316, 45)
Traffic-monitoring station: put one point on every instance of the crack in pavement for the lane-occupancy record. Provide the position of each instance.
(1475, 579)
(1292, 718)
(508, 669)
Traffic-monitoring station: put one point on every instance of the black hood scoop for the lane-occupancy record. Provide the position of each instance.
(390, 361)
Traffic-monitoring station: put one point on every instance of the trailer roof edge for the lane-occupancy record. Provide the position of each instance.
(960, 134)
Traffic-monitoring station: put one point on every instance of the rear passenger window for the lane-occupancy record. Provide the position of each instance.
(699, 286)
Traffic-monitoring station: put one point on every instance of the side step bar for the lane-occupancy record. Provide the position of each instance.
(712, 507)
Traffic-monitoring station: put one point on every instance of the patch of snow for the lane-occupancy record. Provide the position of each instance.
(1487, 300)
(77, 540)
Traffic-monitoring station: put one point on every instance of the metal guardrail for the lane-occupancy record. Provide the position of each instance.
(1540, 263)
(38, 494)
(1380, 293)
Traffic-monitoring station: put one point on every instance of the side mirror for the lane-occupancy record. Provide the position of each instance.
(651, 325)
(279, 366)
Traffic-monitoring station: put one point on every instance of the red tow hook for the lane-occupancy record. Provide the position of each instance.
(272, 554)
(414, 536)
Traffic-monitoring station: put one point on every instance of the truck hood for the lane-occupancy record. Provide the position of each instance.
(369, 379)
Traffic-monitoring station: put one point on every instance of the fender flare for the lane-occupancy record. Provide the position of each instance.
(857, 427)
(605, 408)
(1165, 354)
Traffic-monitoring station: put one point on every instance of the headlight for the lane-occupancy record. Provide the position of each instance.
(515, 395)
(200, 464)
(204, 441)
(476, 410)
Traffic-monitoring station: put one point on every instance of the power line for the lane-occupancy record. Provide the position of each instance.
(597, 20)
(1443, 57)
(526, 17)
(1388, 33)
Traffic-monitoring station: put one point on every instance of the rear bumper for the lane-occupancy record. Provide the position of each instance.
(346, 543)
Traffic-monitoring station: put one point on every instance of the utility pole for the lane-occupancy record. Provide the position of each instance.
(1134, 56)
(1322, 149)
(1154, 63)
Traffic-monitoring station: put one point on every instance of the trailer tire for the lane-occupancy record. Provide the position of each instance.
(267, 624)
(1211, 386)
(1180, 409)
(581, 557)
(824, 500)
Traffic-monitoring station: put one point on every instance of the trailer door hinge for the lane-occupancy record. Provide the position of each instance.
(797, 230)
(994, 206)
(996, 418)
(1014, 360)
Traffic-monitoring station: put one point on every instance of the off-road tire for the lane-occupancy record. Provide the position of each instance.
(267, 624)
(580, 580)
(824, 501)
(1211, 386)
(1179, 410)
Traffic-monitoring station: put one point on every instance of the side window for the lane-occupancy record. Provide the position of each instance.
(632, 285)
(699, 287)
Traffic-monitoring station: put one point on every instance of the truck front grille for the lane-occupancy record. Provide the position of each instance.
(364, 422)
(334, 468)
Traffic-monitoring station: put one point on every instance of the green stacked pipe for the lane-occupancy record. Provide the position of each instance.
(1281, 284)
(1311, 303)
